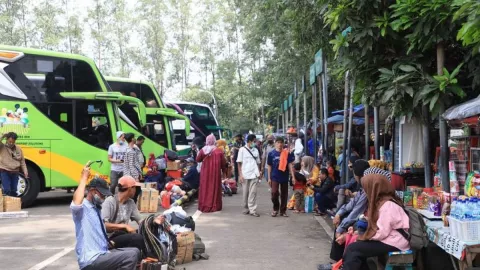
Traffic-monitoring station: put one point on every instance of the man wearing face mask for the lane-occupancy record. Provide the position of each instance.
(269, 147)
(248, 161)
(11, 162)
(116, 154)
(92, 240)
(118, 210)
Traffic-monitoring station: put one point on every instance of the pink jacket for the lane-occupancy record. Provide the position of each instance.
(392, 217)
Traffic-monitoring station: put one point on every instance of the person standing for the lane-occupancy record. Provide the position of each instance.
(236, 147)
(141, 157)
(118, 210)
(132, 166)
(280, 164)
(249, 171)
(269, 147)
(91, 236)
(213, 163)
(116, 154)
(12, 162)
(299, 148)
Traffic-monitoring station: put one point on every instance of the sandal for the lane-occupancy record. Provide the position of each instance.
(296, 212)
(274, 213)
(284, 215)
(254, 214)
(319, 214)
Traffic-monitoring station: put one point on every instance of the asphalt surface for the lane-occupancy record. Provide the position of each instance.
(46, 239)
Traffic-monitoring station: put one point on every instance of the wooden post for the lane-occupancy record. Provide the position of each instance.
(305, 120)
(320, 101)
(278, 123)
(426, 146)
(325, 107)
(315, 124)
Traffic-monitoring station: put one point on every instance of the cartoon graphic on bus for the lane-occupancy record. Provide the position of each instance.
(14, 120)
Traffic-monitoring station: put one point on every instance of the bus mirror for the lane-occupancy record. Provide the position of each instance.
(64, 117)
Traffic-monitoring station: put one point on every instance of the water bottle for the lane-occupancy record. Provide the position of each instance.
(454, 208)
(461, 210)
(476, 210)
(469, 207)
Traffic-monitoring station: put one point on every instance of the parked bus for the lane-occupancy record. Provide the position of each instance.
(159, 132)
(203, 121)
(59, 106)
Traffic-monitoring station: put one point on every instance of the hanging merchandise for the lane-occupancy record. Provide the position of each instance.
(454, 187)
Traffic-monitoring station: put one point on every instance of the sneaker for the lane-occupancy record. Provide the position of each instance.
(255, 215)
(324, 266)
(246, 212)
(330, 212)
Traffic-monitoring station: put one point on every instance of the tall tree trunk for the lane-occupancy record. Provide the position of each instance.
(444, 151)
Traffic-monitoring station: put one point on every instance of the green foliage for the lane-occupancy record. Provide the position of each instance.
(469, 12)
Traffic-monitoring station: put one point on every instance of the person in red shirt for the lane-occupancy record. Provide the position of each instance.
(299, 189)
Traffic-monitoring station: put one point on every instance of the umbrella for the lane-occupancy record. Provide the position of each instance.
(464, 110)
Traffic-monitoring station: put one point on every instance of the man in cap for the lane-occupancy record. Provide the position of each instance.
(118, 210)
(92, 240)
(116, 154)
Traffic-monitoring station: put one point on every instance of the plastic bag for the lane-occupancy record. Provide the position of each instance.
(178, 210)
(309, 202)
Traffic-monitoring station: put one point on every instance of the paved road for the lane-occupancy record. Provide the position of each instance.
(46, 239)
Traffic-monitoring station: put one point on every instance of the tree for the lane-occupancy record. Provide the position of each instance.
(122, 23)
(98, 19)
(74, 30)
(11, 11)
(154, 40)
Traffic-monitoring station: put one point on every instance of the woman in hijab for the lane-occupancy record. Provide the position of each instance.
(385, 217)
(213, 163)
(222, 145)
(311, 173)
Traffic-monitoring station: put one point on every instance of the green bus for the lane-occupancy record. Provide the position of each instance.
(159, 132)
(61, 107)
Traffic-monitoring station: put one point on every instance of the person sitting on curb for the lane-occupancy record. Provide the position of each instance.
(92, 240)
(348, 213)
(12, 162)
(324, 196)
(346, 190)
(118, 210)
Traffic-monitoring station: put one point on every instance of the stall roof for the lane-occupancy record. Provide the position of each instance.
(357, 110)
(464, 110)
(338, 119)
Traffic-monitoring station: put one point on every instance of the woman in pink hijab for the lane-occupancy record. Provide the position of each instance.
(213, 165)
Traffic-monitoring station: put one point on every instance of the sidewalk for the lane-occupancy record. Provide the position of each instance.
(236, 241)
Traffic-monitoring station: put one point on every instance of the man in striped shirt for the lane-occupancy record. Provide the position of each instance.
(92, 241)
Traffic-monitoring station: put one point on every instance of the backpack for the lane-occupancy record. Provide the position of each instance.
(417, 234)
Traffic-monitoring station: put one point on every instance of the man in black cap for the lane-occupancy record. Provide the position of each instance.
(92, 241)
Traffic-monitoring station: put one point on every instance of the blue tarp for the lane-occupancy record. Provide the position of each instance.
(357, 110)
(338, 119)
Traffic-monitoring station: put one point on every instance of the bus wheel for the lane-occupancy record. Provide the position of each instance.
(28, 189)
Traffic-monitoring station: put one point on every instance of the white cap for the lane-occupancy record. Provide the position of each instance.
(119, 134)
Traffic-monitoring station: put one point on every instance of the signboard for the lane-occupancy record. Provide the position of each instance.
(290, 100)
(318, 62)
(312, 74)
(285, 105)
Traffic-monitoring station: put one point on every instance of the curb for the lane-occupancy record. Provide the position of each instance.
(325, 226)
(17, 214)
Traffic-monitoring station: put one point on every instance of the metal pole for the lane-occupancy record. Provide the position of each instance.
(444, 151)
(297, 113)
(305, 120)
(320, 101)
(376, 126)
(367, 133)
(215, 109)
(350, 118)
(315, 124)
(325, 106)
(426, 146)
(345, 127)
(263, 121)
(278, 123)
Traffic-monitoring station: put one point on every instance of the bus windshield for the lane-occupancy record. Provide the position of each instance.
(203, 120)
(138, 90)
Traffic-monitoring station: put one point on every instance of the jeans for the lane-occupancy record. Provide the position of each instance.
(356, 254)
(9, 183)
(114, 176)
(323, 202)
(120, 259)
(133, 240)
(279, 190)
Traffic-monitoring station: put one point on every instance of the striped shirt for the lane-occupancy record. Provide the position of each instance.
(131, 164)
(89, 231)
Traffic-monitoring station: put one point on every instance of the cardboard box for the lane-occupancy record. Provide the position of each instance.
(151, 185)
(12, 204)
(144, 200)
(153, 206)
(173, 165)
(185, 243)
(1, 200)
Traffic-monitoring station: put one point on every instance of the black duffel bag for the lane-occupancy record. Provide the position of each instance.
(177, 220)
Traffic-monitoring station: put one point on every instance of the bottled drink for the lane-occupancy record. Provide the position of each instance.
(461, 210)
(454, 208)
(469, 207)
(476, 210)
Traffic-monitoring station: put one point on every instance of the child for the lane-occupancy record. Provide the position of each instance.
(298, 189)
